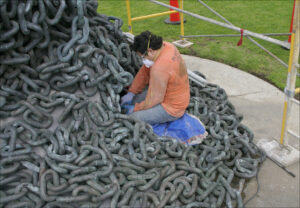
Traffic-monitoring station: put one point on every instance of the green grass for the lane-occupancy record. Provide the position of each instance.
(261, 16)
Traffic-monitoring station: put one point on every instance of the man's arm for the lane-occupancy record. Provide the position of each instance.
(156, 91)
(140, 81)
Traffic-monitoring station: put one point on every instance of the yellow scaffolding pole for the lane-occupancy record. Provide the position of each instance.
(285, 107)
(152, 15)
(181, 20)
(129, 16)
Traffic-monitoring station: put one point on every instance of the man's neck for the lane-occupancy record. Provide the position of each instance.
(157, 53)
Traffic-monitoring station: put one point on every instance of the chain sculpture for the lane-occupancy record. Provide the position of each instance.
(63, 139)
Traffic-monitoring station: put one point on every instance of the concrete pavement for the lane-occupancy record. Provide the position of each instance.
(262, 105)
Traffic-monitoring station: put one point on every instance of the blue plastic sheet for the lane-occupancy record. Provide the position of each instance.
(187, 129)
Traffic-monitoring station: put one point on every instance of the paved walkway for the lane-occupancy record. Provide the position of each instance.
(262, 105)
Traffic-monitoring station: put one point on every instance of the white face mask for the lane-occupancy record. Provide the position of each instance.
(148, 63)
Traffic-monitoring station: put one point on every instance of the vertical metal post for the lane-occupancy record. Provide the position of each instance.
(129, 16)
(292, 73)
(181, 20)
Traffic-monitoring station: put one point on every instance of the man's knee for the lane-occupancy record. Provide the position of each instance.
(144, 116)
(134, 115)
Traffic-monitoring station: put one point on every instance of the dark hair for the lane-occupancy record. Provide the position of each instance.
(140, 43)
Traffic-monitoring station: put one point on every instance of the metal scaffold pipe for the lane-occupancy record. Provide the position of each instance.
(248, 36)
(213, 11)
(232, 35)
(196, 78)
(232, 27)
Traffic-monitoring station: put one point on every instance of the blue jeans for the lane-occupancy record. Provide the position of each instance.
(154, 115)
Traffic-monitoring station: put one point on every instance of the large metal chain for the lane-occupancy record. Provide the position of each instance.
(63, 68)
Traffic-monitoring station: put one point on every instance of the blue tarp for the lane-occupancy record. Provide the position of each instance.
(187, 129)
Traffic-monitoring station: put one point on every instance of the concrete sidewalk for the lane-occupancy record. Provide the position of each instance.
(262, 105)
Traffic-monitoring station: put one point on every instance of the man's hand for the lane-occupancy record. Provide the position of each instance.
(129, 108)
(127, 99)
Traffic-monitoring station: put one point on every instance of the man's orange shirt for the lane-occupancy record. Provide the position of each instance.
(168, 82)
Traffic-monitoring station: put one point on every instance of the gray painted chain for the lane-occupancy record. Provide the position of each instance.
(62, 149)
(97, 154)
(61, 45)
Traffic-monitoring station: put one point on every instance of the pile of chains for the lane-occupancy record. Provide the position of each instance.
(61, 45)
(63, 67)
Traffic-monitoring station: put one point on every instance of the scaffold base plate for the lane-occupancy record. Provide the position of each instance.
(286, 155)
(182, 43)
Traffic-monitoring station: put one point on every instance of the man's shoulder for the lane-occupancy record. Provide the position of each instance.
(160, 69)
(169, 45)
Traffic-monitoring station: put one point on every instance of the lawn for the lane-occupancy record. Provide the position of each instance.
(261, 16)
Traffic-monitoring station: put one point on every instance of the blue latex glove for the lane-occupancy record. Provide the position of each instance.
(129, 108)
(127, 99)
